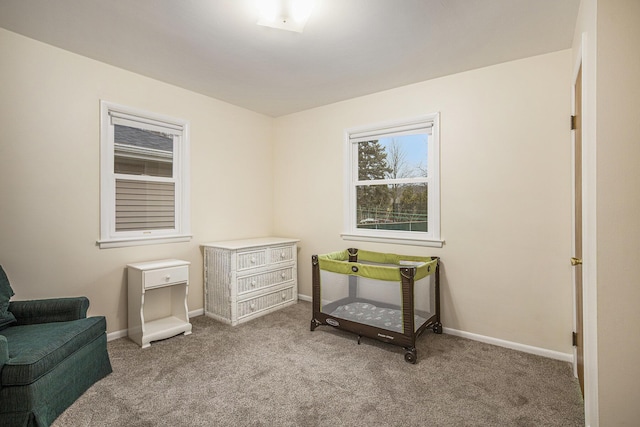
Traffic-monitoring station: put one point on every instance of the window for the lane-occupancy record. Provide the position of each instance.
(144, 188)
(392, 182)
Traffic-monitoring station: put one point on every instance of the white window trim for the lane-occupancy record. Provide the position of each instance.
(109, 238)
(432, 238)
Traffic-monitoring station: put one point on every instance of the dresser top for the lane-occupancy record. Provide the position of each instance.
(250, 243)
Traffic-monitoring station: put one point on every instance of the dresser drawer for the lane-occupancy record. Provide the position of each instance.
(259, 281)
(252, 259)
(281, 254)
(264, 302)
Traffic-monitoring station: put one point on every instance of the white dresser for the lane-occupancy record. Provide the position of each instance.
(150, 318)
(248, 278)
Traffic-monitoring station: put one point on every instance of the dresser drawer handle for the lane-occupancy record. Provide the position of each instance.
(252, 306)
(253, 260)
(253, 283)
(283, 275)
(282, 255)
(167, 277)
(284, 296)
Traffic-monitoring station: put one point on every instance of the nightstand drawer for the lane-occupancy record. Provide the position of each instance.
(165, 276)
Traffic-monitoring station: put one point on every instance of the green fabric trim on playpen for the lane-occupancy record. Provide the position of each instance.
(377, 265)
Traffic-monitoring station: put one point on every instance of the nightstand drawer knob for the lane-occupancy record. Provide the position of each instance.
(167, 277)
(253, 260)
(283, 275)
(282, 255)
(284, 296)
(252, 306)
(253, 283)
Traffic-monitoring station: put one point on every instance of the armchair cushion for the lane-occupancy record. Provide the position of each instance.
(6, 317)
(36, 349)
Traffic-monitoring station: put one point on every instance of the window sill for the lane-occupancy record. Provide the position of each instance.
(139, 241)
(433, 243)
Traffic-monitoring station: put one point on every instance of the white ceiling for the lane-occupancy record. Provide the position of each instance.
(349, 48)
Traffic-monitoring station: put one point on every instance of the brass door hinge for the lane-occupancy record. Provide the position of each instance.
(574, 339)
(573, 122)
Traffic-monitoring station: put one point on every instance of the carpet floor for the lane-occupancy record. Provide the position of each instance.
(273, 371)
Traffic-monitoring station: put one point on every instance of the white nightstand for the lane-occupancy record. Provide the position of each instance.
(145, 278)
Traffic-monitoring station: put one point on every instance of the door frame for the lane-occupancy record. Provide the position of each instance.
(586, 58)
(577, 219)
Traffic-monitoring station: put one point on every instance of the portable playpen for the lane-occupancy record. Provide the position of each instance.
(388, 297)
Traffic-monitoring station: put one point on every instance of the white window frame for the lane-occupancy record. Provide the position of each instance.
(430, 238)
(109, 237)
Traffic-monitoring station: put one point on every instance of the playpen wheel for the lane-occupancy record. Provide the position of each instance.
(410, 356)
(437, 328)
(314, 324)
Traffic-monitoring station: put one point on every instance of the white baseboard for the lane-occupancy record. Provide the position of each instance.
(124, 332)
(117, 334)
(551, 354)
(196, 313)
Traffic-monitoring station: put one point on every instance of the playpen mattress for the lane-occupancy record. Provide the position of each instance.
(369, 314)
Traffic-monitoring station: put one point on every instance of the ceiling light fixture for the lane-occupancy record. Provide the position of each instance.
(290, 15)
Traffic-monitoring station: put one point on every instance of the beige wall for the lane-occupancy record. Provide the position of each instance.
(49, 174)
(618, 210)
(505, 182)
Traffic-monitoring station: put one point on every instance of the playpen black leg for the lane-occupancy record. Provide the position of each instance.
(314, 324)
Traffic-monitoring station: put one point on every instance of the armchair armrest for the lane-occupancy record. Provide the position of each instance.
(49, 310)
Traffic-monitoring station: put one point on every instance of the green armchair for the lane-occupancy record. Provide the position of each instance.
(50, 354)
